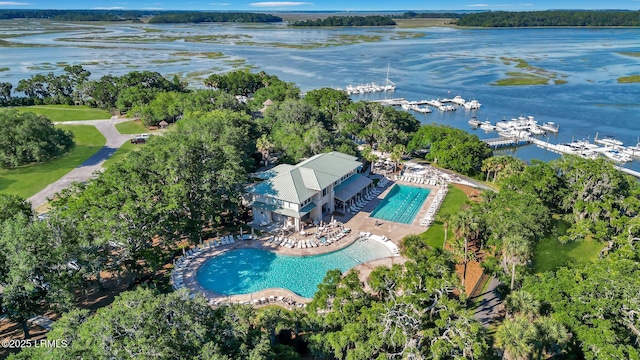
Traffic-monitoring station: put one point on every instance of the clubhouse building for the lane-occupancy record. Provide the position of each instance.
(294, 195)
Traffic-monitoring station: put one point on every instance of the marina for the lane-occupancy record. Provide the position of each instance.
(422, 106)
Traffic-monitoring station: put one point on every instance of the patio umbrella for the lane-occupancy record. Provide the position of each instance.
(241, 232)
(252, 232)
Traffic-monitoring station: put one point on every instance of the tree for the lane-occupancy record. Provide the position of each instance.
(34, 268)
(465, 225)
(264, 147)
(515, 250)
(5, 90)
(397, 154)
(445, 219)
(331, 102)
(28, 137)
(12, 205)
(515, 338)
(144, 323)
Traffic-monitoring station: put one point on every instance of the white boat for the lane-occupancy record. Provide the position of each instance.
(608, 141)
(486, 125)
(420, 109)
(472, 105)
(617, 156)
(550, 126)
(458, 100)
(447, 108)
(537, 130)
(633, 151)
(474, 121)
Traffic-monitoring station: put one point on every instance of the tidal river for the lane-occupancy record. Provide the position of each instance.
(580, 67)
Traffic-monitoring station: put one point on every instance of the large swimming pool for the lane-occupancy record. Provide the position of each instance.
(244, 271)
(401, 204)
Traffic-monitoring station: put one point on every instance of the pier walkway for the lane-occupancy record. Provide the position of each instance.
(501, 142)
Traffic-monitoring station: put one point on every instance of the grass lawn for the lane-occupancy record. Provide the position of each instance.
(550, 254)
(131, 127)
(66, 112)
(454, 200)
(121, 153)
(27, 180)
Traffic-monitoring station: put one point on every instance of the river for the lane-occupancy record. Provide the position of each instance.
(424, 63)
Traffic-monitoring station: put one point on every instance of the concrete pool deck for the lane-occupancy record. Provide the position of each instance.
(360, 222)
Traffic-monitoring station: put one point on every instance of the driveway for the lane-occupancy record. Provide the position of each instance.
(86, 170)
(486, 309)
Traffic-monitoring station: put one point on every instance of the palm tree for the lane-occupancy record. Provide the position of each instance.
(445, 219)
(464, 225)
(396, 155)
(264, 147)
(515, 250)
(367, 154)
(551, 337)
(516, 338)
(523, 303)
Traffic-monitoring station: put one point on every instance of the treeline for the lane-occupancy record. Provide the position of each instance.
(200, 17)
(428, 15)
(373, 20)
(551, 18)
(73, 15)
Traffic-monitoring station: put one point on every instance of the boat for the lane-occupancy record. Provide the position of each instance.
(634, 150)
(371, 87)
(447, 108)
(474, 122)
(487, 126)
(608, 141)
(472, 105)
(550, 126)
(420, 109)
(458, 100)
(617, 156)
(537, 130)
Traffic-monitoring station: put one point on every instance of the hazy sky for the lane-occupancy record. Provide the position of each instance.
(318, 5)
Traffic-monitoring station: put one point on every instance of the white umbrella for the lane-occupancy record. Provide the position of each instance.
(252, 232)
(241, 233)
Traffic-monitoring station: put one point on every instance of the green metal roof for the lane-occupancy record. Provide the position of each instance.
(351, 186)
(300, 182)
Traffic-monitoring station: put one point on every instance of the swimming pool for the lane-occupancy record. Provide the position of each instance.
(243, 271)
(401, 204)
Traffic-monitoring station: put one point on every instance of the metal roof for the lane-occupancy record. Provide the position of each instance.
(300, 182)
(351, 186)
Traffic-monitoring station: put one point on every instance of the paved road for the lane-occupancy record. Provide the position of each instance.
(85, 170)
(487, 307)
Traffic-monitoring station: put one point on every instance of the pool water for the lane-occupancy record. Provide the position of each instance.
(244, 271)
(401, 204)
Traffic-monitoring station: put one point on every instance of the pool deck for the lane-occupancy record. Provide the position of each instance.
(360, 222)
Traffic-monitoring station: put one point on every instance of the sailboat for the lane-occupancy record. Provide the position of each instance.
(389, 85)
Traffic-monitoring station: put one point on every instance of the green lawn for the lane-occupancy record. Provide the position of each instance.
(550, 254)
(27, 180)
(454, 200)
(122, 152)
(66, 112)
(131, 127)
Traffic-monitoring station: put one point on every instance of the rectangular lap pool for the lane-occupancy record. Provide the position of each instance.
(401, 204)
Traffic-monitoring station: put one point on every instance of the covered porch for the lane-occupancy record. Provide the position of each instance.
(351, 190)
(268, 216)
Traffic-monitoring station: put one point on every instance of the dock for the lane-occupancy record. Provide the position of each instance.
(629, 171)
(501, 142)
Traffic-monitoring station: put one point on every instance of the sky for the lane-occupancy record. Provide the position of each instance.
(321, 5)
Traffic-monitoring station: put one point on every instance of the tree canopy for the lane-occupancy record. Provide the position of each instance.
(27, 137)
(371, 20)
(550, 18)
